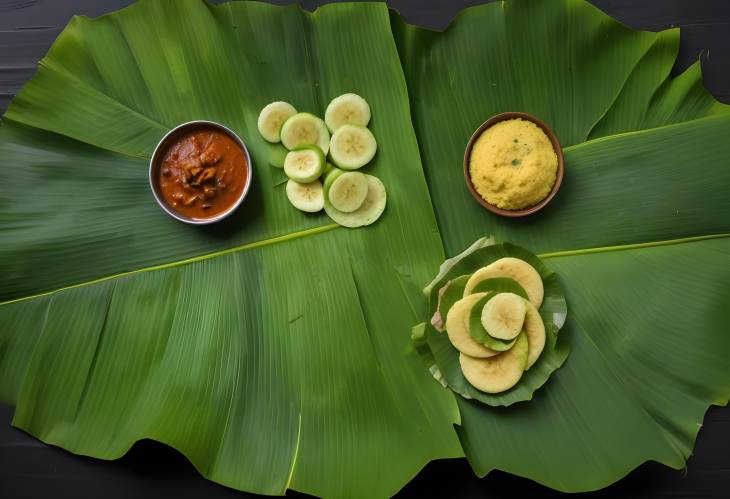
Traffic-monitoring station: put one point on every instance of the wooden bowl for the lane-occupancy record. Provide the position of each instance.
(556, 146)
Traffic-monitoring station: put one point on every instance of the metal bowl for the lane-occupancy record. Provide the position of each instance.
(158, 156)
(556, 146)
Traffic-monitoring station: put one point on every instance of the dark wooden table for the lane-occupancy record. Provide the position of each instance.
(29, 468)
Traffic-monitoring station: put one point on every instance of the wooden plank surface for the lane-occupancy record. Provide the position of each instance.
(29, 468)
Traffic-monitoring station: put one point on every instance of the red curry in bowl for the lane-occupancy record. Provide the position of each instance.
(201, 172)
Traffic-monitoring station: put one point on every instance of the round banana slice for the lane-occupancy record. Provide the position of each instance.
(304, 164)
(272, 117)
(370, 210)
(352, 147)
(535, 330)
(496, 374)
(347, 109)
(513, 268)
(457, 327)
(348, 191)
(504, 315)
(305, 197)
(300, 130)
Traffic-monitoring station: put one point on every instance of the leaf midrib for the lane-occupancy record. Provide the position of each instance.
(624, 247)
(329, 227)
(185, 261)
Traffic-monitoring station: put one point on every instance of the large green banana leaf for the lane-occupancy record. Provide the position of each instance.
(273, 349)
(647, 160)
(271, 354)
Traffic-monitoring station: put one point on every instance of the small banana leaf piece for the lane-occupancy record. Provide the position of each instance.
(500, 285)
(447, 296)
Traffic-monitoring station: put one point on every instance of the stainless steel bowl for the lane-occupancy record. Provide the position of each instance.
(157, 158)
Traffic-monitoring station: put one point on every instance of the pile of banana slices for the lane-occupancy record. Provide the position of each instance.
(494, 323)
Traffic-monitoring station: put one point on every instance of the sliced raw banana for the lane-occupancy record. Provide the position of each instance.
(304, 164)
(457, 327)
(300, 130)
(352, 147)
(348, 191)
(305, 197)
(330, 175)
(272, 117)
(367, 213)
(514, 268)
(534, 328)
(503, 316)
(347, 109)
(477, 331)
(323, 136)
(499, 373)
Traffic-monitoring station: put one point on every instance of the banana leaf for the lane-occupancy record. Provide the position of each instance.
(273, 349)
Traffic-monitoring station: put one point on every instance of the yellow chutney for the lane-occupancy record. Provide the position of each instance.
(513, 164)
